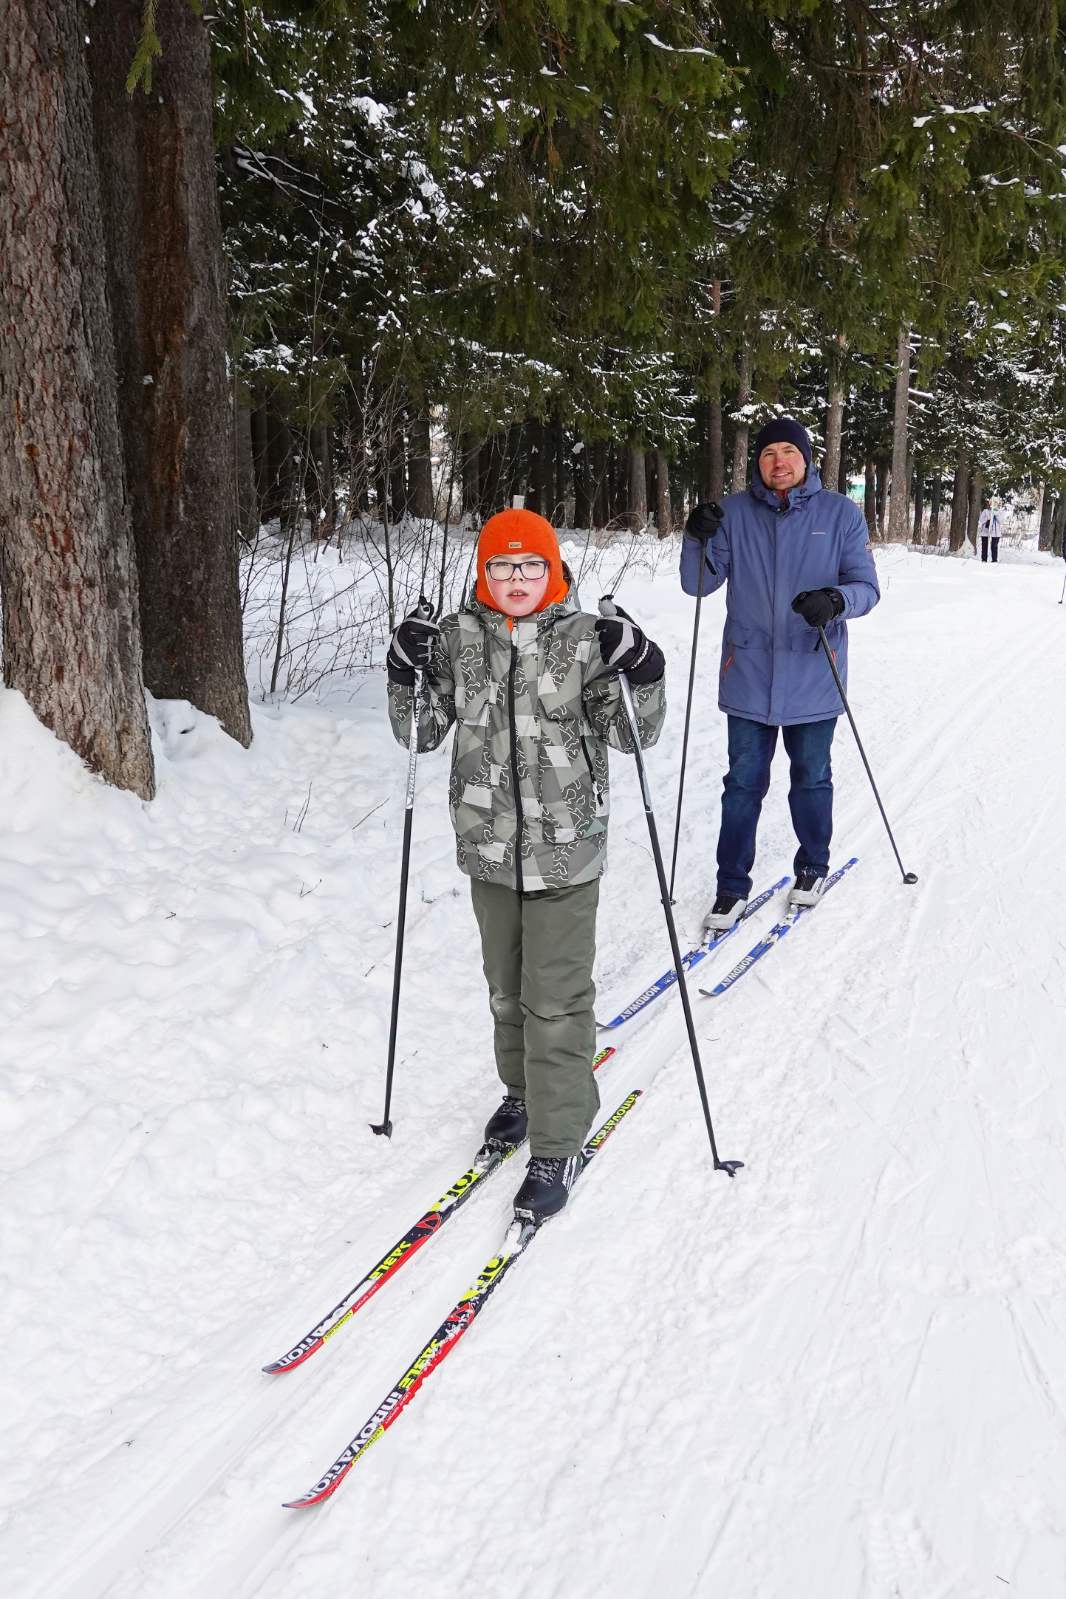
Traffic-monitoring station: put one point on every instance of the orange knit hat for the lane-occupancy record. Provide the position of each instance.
(514, 531)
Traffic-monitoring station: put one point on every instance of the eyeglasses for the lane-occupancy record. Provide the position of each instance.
(502, 570)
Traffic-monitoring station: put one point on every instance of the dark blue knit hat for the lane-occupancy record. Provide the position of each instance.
(784, 430)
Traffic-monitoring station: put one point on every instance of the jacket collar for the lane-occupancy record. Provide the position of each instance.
(811, 485)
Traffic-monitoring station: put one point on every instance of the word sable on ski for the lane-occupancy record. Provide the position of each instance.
(519, 1236)
(774, 936)
(488, 1160)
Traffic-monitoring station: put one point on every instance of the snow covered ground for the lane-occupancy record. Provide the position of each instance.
(842, 1376)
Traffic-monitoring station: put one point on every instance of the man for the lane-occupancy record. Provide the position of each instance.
(990, 527)
(793, 556)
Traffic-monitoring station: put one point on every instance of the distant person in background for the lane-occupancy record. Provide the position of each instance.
(990, 527)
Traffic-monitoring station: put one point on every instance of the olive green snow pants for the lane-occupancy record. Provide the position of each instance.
(538, 951)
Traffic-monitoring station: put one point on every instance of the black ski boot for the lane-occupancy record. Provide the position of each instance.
(807, 889)
(546, 1188)
(506, 1127)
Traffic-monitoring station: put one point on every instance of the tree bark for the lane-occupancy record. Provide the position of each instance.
(743, 430)
(558, 436)
(934, 508)
(663, 519)
(492, 452)
(166, 286)
(881, 467)
(715, 481)
(244, 473)
(870, 499)
(898, 518)
(974, 509)
(960, 499)
(582, 488)
(281, 486)
(72, 640)
(638, 486)
(919, 500)
(601, 513)
(1058, 526)
(1047, 516)
(471, 475)
(834, 417)
(260, 457)
(321, 491)
(420, 469)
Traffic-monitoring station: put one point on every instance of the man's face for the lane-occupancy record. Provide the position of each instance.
(781, 467)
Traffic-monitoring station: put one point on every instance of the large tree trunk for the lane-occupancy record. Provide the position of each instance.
(72, 641)
(898, 517)
(638, 486)
(960, 500)
(743, 430)
(166, 288)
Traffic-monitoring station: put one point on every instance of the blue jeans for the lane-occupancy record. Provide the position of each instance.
(810, 796)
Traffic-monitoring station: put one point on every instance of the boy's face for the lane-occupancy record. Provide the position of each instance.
(517, 581)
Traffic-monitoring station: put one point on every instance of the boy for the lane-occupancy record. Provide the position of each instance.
(531, 683)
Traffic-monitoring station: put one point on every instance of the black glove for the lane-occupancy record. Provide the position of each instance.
(412, 644)
(626, 649)
(704, 521)
(818, 607)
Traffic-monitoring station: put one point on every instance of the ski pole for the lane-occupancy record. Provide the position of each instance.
(1063, 594)
(385, 1125)
(908, 877)
(730, 1167)
(716, 511)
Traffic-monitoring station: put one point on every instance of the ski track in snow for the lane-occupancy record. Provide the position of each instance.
(843, 1374)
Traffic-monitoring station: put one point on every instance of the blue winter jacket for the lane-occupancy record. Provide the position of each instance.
(767, 551)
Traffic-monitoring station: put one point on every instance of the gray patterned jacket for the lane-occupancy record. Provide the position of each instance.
(534, 702)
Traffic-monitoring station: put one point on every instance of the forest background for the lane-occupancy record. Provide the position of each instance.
(279, 277)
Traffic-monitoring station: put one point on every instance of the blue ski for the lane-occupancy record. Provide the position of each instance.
(774, 936)
(663, 984)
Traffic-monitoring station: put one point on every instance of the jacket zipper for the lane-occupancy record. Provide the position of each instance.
(596, 789)
(514, 769)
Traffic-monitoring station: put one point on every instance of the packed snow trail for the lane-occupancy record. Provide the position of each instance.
(843, 1374)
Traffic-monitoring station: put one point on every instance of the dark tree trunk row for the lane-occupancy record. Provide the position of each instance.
(72, 637)
(163, 249)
